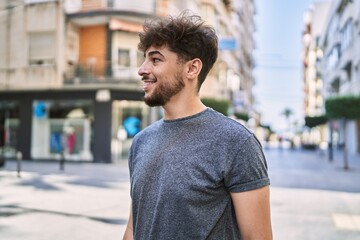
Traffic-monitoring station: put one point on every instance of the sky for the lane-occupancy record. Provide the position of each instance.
(278, 71)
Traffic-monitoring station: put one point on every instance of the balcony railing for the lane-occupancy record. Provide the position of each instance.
(109, 74)
(140, 6)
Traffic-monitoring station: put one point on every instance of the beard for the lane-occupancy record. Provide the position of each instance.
(164, 91)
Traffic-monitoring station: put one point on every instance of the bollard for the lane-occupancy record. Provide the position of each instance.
(331, 155)
(2, 160)
(62, 161)
(19, 157)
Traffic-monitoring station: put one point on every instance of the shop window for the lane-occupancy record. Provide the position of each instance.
(42, 48)
(62, 128)
(129, 118)
(9, 126)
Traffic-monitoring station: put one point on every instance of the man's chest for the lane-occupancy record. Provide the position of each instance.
(173, 169)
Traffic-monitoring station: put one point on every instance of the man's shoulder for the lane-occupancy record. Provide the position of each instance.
(229, 125)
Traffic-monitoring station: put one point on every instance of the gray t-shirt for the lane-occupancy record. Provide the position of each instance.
(182, 172)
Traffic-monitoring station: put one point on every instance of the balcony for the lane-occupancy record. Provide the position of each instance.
(80, 7)
(29, 77)
(91, 76)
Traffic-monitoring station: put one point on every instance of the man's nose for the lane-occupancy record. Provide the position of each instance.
(143, 69)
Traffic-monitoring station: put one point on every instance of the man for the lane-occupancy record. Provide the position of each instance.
(195, 174)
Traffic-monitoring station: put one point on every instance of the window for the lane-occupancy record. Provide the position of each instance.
(346, 35)
(62, 126)
(37, 1)
(42, 48)
(333, 57)
(124, 57)
(110, 3)
(333, 25)
(9, 128)
(208, 13)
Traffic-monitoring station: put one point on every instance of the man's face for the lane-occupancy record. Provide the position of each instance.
(161, 75)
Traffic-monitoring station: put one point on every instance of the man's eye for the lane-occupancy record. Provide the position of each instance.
(155, 60)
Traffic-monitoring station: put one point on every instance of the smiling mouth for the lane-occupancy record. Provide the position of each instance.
(147, 83)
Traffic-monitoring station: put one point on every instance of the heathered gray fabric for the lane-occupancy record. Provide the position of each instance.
(182, 172)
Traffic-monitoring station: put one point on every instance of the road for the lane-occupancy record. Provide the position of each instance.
(311, 198)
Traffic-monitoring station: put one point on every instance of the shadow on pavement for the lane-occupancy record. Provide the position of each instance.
(12, 210)
(90, 183)
(39, 183)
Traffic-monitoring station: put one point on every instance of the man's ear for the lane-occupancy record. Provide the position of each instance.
(194, 67)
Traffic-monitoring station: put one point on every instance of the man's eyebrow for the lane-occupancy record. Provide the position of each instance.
(153, 53)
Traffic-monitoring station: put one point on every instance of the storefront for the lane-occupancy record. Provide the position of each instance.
(9, 127)
(76, 125)
(62, 127)
(128, 118)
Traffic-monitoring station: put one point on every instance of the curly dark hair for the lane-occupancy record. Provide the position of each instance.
(185, 35)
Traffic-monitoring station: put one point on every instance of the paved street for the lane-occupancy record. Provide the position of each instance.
(311, 198)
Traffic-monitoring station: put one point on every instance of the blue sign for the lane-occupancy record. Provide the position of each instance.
(132, 126)
(40, 110)
(227, 44)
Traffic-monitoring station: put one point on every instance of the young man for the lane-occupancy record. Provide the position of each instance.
(195, 174)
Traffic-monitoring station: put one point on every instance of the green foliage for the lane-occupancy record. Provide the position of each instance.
(315, 121)
(343, 107)
(242, 115)
(221, 106)
(287, 112)
(268, 127)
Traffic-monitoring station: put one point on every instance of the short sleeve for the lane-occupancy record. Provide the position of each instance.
(247, 170)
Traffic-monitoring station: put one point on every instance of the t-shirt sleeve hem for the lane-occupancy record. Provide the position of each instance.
(250, 185)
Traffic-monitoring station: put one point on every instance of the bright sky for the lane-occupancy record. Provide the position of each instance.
(278, 71)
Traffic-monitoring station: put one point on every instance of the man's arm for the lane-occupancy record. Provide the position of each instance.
(252, 209)
(128, 235)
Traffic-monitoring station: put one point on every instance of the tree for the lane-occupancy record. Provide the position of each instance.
(242, 115)
(287, 112)
(315, 121)
(345, 108)
(221, 106)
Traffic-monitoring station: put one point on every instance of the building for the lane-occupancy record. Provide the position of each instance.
(340, 65)
(68, 82)
(314, 23)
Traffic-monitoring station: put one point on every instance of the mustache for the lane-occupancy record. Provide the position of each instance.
(144, 78)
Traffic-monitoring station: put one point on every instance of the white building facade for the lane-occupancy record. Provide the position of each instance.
(314, 23)
(340, 65)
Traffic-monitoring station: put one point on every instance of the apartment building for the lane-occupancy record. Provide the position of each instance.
(340, 65)
(314, 22)
(232, 76)
(68, 82)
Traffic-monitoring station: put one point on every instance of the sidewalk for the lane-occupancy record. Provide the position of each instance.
(86, 201)
(310, 199)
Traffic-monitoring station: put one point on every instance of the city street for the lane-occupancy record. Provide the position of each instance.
(311, 198)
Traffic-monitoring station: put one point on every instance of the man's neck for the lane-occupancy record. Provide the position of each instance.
(177, 108)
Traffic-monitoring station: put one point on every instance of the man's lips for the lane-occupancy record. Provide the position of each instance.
(147, 83)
